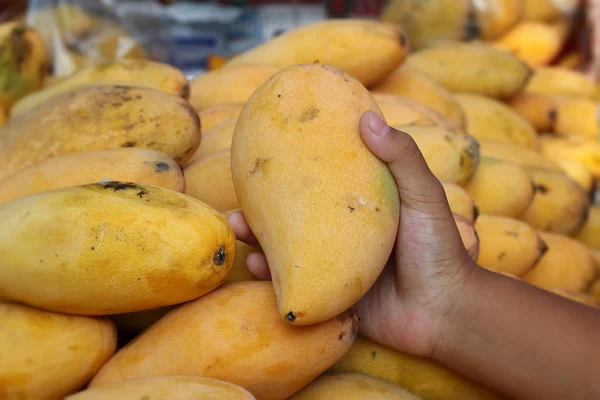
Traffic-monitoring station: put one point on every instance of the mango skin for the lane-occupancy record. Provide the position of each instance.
(366, 50)
(424, 377)
(235, 334)
(80, 168)
(98, 118)
(167, 387)
(350, 386)
(214, 115)
(341, 194)
(110, 248)
(590, 233)
(215, 140)
(460, 201)
(46, 356)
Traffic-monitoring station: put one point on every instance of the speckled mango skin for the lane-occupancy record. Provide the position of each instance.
(111, 248)
(84, 167)
(235, 334)
(46, 356)
(324, 209)
(97, 118)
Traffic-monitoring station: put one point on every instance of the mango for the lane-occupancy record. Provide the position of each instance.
(536, 43)
(239, 271)
(572, 148)
(561, 81)
(367, 50)
(305, 180)
(46, 356)
(350, 386)
(110, 248)
(167, 387)
(501, 188)
(424, 377)
(399, 110)
(460, 201)
(83, 167)
(567, 265)
(451, 156)
(235, 334)
(518, 155)
(489, 119)
(134, 72)
(508, 245)
(100, 118)
(539, 109)
(560, 205)
(228, 85)
(488, 72)
(590, 233)
(411, 83)
(579, 172)
(578, 116)
(214, 115)
(215, 140)
(210, 179)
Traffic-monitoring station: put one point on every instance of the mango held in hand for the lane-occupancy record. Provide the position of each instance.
(111, 248)
(324, 209)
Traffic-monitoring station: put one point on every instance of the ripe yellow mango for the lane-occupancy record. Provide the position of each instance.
(501, 188)
(536, 43)
(214, 115)
(424, 377)
(579, 172)
(567, 265)
(489, 119)
(235, 334)
(228, 85)
(460, 201)
(215, 140)
(305, 180)
(99, 118)
(46, 356)
(409, 82)
(496, 17)
(451, 156)
(133, 72)
(508, 245)
(539, 109)
(518, 155)
(561, 81)
(349, 386)
(367, 50)
(209, 179)
(239, 272)
(167, 387)
(578, 116)
(489, 71)
(83, 167)
(590, 233)
(572, 148)
(560, 205)
(110, 248)
(399, 110)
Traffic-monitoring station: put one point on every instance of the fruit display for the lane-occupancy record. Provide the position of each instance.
(122, 278)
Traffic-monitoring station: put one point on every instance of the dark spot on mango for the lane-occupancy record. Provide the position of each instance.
(308, 114)
(541, 188)
(543, 250)
(161, 166)
(296, 266)
(278, 95)
(316, 62)
(290, 317)
(373, 355)
(128, 144)
(259, 166)
(511, 233)
(93, 248)
(138, 97)
(185, 91)
(475, 213)
(552, 115)
(377, 209)
(129, 127)
(117, 186)
(220, 256)
(352, 209)
(117, 104)
(403, 40)
(341, 336)
(501, 255)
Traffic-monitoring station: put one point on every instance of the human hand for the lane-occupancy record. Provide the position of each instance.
(413, 299)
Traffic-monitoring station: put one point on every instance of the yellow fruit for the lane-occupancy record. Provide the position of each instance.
(100, 118)
(539, 109)
(409, 82)
(424, 377)
(460, 201)
(139, 321)
(577, 171)
(132, 72)
(111, 248)
(23, 64)
(228, 85)
(429, 22)
(209, 179)
(567, 265)
(590, 233)
(349, 386)
(578, 116)
(560, 205)
(79, 168)
(501, 188)
(526, 158)
(489, 119)
(367, 50)
(536, 43)
(508, 245)
(235, 334)
(46, 356)
(468, 235)
(488, 71)
(239, 272)
(452, 157)
(215, 140)
(561, 81)
(215, 115)
(166, 387)
(548, 10)
(572, 148)
(304, 177)
(399, 110)
(579, 297)
(496, 17)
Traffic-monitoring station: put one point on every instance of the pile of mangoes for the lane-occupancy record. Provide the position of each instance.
(116, 181)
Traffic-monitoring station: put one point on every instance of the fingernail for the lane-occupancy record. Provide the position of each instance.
(377, 125)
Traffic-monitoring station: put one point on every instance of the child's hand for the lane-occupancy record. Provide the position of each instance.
(410, 303)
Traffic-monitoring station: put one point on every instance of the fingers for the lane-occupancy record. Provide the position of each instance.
(242, 230)
(257, 265)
